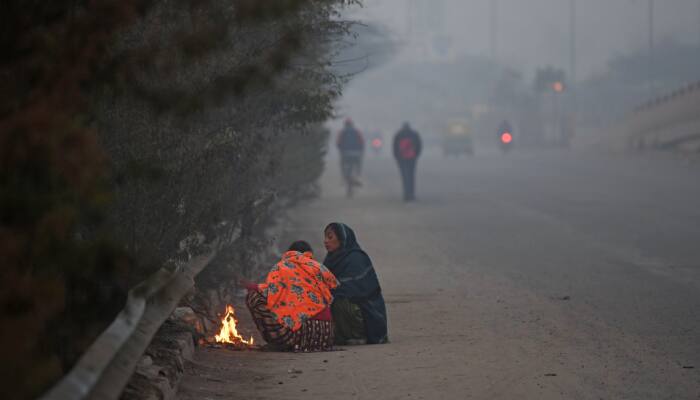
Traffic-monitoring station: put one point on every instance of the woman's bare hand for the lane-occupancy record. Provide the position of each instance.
(246, 283)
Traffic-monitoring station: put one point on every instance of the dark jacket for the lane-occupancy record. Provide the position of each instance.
(358, 282)
(504, 127)
(407, 144)
(350, 139)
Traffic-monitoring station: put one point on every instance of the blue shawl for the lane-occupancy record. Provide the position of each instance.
(358, 281)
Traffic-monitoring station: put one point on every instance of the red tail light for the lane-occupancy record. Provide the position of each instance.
(506, 137)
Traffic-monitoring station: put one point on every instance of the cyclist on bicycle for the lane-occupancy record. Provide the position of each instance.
(351, 146)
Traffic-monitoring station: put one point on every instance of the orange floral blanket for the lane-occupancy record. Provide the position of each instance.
(297, 288)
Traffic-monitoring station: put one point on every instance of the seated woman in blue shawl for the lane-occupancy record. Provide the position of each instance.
(358, 307)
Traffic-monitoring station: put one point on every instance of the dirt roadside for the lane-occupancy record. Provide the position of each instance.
(457, 331)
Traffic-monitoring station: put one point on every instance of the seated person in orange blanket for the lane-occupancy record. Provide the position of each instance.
(292, 307)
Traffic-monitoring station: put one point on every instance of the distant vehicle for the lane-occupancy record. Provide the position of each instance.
(458, 138)
(376, 142)
(505, 136)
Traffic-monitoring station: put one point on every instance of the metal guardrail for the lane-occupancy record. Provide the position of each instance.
(105, 368)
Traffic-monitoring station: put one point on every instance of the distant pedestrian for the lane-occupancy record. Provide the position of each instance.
(351, 146)
(407, 149)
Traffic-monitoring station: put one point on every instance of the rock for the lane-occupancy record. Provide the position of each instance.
(186, 315)
(145, 362)
(186, 346)
(162, 366)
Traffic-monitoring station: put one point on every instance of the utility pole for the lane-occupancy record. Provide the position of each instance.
(651, 50)
(409, 18)
(569, 124)
(572, 42)
(494, 29)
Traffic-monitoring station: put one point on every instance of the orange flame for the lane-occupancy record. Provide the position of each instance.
(228, 332)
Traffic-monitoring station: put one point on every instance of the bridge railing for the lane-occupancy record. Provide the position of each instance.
(671, 121)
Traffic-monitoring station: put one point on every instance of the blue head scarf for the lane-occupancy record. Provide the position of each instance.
(351, 265)
(358, 281)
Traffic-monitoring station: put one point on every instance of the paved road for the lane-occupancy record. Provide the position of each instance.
(548, 275)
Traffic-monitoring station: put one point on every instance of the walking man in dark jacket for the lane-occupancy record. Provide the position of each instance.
(407, 149)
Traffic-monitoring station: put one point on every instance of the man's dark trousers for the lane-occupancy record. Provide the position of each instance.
(408, 177)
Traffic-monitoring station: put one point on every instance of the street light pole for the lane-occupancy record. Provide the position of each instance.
(572, 41)
(567, 127)
(409, 18)
(494, 29)
(651, 50)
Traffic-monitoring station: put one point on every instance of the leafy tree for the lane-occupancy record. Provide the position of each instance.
(129, 126)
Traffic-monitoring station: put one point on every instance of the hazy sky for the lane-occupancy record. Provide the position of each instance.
(534, 32)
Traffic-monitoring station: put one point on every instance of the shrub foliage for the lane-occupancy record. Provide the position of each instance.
(134, 133)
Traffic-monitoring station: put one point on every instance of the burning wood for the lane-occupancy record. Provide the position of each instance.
(228, 336)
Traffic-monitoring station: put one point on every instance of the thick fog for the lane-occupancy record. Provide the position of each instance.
(430, 61)
(534, 32)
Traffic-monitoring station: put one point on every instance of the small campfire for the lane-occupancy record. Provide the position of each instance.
(228, 336)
